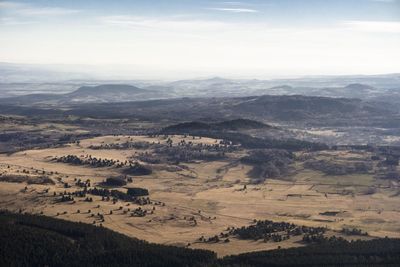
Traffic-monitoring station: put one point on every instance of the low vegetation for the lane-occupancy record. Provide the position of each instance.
(336, 168)
(26, 179)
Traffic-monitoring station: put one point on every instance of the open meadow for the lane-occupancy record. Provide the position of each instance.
(191, 201)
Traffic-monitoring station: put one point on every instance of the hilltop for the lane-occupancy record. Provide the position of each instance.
(236, 124)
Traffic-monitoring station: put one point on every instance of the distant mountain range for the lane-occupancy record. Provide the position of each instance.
(109, 93)
(17, 80)
(90, 94)
(295, 109)
(112, 93)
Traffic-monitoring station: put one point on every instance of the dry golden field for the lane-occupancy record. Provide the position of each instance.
(215, 194)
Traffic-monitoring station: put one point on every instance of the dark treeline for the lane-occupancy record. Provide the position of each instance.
(267, 231)
(263, 230)
(89, 160)
(247, 141)
(28, 240)
(230, 125)
(125, 145)
(130, 167)
(132, 195)
(135, 195)
(186, 151)
(31, 240)
(336, 252)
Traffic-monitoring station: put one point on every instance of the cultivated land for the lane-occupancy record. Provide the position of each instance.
(199, 197)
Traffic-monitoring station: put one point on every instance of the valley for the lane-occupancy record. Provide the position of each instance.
(199, 197)
(200, 133)
(230, 175)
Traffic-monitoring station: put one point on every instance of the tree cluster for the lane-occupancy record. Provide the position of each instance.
(268, 230)
(268, 163)
(90, 161)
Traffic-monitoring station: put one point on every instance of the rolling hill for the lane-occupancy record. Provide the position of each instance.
(109, 93)
(236, 124)
(89, 94)
(105, 101)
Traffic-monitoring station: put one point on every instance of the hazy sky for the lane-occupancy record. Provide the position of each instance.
(171, 38)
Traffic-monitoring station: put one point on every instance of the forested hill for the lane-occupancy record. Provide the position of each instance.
(106, 89)
(334, 253)
(30, 240)
(236, 124)
(88, 94)
(287, 109)
(244, 140)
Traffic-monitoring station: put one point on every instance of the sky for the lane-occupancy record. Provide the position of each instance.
(188, 38)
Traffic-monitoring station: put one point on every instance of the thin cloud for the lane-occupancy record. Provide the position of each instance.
(232, 3)
(374, 26)
(23, 9)
(384, 1)
(8, 21)
(168, 24)
(47, 11)
(234, 10)
(7, 4)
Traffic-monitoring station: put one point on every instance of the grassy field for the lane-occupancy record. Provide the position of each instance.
(213, 193)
